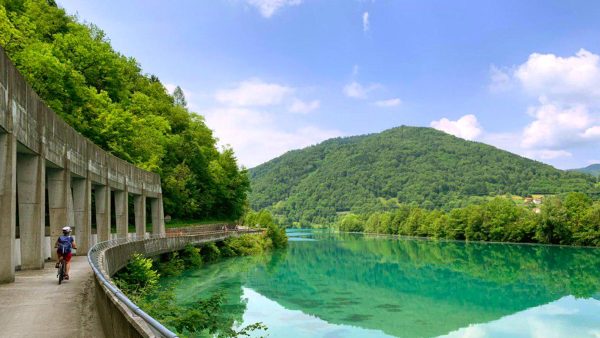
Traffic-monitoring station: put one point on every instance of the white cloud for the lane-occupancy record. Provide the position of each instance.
(299, 106)
(358, 91)
(565, 79)
(268, 7)
(253, 93)
(365, 21)
(555, 127)
(389, 103)
(250, 117)
(568, 88)
(547, 154)
(256, 136)
(170, 88)
(592, 133)
(465, 127)
(567, 112)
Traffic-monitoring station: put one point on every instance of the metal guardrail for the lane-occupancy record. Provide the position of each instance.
(96, 255)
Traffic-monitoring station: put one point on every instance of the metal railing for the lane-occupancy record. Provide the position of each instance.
(96, 256)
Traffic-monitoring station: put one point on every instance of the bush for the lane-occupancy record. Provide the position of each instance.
(170, 264)
(138, 278)
(352, 223)
(245, 245)
(277, 236)
(191, 256)
(573, 218)
(210, 252)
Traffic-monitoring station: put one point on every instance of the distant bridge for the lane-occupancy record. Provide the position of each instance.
(41, 154)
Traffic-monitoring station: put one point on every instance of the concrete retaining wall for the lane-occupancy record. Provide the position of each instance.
(41, 155)
(119, 320)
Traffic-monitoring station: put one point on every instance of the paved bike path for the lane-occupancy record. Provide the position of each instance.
(36, 306)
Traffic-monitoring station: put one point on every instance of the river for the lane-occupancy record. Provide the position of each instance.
(351, 285)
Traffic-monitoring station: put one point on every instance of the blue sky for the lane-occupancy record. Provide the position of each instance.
(275, 75)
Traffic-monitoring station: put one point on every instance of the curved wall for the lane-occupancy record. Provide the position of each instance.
(118, 315)
(40, 154)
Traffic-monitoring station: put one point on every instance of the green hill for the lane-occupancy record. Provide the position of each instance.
(593, 170)
(400, 165)
(107, 97)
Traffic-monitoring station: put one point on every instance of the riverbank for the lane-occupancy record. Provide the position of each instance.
(139, 280)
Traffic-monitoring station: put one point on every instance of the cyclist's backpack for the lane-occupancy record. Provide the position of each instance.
(64, 244)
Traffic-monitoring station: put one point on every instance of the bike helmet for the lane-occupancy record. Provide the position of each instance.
(66, 229)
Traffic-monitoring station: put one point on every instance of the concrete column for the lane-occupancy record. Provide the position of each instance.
(103, 212)
(59, 196)
(31, 181)
(161, 214)
(8, 209)
(158, 226)
(70, 214)
(121, 213)
(139, 208)
(82, 213)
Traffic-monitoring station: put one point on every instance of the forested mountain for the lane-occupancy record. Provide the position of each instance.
(593, 169)
(375, 172)
(107, 98)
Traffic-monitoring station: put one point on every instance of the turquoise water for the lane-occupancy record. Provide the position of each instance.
(346, 285)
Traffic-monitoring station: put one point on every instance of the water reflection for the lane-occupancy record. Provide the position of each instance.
(407, 288)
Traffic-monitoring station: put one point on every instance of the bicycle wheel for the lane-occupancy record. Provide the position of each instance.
(61, 271)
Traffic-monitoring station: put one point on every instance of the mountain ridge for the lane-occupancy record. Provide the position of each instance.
(404, 164)
(592, 169)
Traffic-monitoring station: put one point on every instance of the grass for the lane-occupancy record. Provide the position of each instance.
(180, 223)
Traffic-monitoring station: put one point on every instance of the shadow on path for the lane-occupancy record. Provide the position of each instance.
(36, 306)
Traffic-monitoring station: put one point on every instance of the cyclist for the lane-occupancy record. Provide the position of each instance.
(63, 246)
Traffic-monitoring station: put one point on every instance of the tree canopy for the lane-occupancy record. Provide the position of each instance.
(569, 219)
(106, 97)
(404, 165)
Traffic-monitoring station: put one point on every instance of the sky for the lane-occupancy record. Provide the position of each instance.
(274, 75)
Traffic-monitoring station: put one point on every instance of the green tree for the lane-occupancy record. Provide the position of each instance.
(179, 97)
(106, 97)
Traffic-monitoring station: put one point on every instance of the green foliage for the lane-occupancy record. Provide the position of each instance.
(170, 264)
(210, 252)
(399, 166)
(138, 278)
(258, 219)
(264, 219)
(351, 223)
(206, 317)
(106, 97)
(571, 219)
(191, 256)
(245, 245)
(277, 236)
(592, 169)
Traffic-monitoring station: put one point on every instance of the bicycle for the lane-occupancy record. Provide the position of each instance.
(62, 270)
